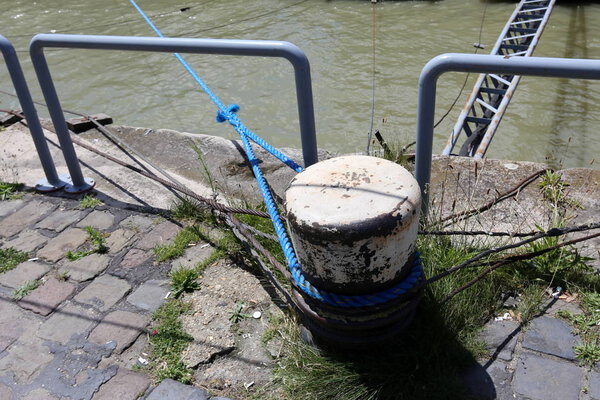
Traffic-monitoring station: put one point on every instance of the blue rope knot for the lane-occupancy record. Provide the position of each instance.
(228, 113)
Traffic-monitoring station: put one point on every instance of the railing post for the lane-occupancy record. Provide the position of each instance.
(535, 66)
(52, 181)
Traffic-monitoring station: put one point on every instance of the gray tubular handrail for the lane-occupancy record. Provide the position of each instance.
(52, 181)
(456, 62)
(261, 48)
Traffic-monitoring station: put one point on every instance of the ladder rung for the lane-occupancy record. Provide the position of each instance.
(518, 53)
(486, 105)
(527, 21)
(532, 9)
(535, 1)
(522, 30)
(480, 121)
(516, 47)
(530, 16)
(518, 37)
(492, 90)
(499, 79)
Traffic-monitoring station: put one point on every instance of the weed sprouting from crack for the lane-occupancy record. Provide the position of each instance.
(96, 241)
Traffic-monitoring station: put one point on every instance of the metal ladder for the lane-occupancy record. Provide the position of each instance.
(492, 93)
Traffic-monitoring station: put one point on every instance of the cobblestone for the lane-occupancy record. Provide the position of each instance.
(27, 241)
(540, 378)
(594, 385)
(135, 257)
(25, 359)
(40, 394)
(126, 385)
(14, 322)
(46, 298)
(172, 390)
(57, 247)
(118, 239)
(138, 223)
(85, 268)
(501, 337)
(193, 256)
(101, 220)
(66, 322)
(25, 216)
(10, 206)
(103, 292)
(150, 295)
(551, 336)
(160, 235)
(121, 327)
(59, 220)
(26, 271)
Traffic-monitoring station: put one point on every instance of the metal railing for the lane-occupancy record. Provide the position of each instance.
(535, 66)
(260, 48)
(52, 181)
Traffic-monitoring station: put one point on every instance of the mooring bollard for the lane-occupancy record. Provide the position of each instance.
(353, 222)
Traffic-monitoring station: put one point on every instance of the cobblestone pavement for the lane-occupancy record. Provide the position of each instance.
(536, 362)
(81, 337)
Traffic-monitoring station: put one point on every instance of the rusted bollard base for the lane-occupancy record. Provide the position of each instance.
(367, 334)
(362, 327)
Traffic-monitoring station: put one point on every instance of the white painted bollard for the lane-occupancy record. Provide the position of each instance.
(353, 222)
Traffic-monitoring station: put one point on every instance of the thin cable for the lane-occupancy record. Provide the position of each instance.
(467, 77)
(240, 20)
(373, 29)
(122, 22)
(225, 113)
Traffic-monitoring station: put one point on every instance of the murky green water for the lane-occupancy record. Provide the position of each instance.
(556, 119)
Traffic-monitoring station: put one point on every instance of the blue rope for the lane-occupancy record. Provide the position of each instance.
(229, 113)
(224, 113)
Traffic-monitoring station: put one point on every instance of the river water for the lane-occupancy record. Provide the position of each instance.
(555, 120)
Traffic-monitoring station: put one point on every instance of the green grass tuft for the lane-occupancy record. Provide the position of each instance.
(10, 258)
(184, 280)
(182, 240)
(89, 201)
(96, 241)
(189, 209)
(25, 289)
(8, 190)
(168, 343)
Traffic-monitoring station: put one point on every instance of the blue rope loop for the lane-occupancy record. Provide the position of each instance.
(347, 301)
(229, 113)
